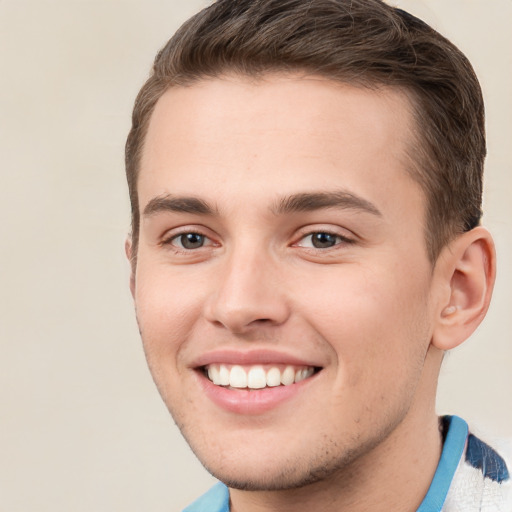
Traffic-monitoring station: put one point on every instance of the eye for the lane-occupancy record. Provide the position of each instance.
(189, 241)
(322, 240)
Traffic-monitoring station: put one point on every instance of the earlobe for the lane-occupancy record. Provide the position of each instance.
(128, 249)
(468, 268)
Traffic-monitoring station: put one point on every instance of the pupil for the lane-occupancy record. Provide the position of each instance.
(192, 240)
(323, 240)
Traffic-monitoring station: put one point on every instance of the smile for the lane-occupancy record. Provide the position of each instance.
(257, 376)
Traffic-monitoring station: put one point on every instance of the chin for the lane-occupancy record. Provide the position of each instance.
(277, 470)
(276, 479)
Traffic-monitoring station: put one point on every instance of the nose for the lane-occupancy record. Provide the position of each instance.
(248, 292)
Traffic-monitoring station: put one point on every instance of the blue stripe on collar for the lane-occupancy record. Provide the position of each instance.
(452, 452)
(481, 456)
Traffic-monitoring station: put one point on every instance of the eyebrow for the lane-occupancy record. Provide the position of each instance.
(301, 202)
(310, 201)
(170, 203)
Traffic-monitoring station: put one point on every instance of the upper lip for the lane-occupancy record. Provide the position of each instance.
(250, 357)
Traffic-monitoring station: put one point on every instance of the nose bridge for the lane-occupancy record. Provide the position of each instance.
(247, 289)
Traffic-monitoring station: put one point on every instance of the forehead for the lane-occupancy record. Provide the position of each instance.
(283, 132)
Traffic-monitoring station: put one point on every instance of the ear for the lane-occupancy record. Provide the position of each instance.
(128, 249)
(466, 268)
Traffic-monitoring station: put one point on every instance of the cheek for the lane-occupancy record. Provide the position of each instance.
(166, 313)
(167, 308)
(376, 324)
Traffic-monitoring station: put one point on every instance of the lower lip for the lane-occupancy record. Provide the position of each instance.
(257, 401)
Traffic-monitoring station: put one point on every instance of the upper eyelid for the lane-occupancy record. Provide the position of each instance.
(343, 233)
(172, 233)
(327, 231)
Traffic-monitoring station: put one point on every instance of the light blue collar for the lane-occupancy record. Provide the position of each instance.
(452, 452)
(215, 500)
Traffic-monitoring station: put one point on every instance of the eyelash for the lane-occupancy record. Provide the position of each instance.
(339, 240)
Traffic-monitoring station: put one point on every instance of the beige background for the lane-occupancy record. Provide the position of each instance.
(81, 425)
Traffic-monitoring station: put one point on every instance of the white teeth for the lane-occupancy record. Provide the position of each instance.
(273, 377)
(223, 375)
(256, 378)
(213, 374)
(237, 377)
(288, 376)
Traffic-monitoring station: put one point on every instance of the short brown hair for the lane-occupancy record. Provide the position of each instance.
(365, 43)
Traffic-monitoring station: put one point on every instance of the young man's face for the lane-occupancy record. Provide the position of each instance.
(282, 236)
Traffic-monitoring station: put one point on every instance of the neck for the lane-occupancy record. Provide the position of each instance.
(395, 475)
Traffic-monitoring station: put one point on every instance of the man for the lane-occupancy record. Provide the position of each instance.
(306, 180)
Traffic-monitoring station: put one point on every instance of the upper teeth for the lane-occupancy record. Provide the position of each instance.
(256, 377)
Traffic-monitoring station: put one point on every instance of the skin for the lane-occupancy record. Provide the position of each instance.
(368, 310)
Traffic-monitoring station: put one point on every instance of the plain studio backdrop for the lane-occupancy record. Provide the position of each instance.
(82, 427)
